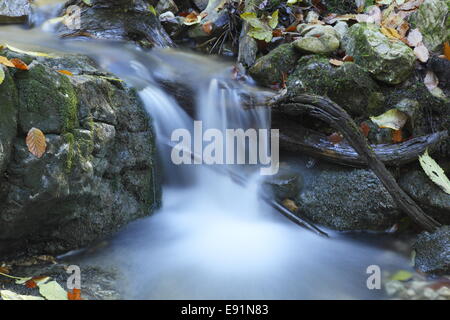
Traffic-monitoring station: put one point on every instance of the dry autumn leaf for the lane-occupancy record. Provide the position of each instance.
(391, 33)
(290, 205)
(19, 64)
(335, 138)
(75, 294)
(5, 61)
(66, 72)
(447, 50)
(435, 172)
(207, 27)
(36, 142)
(336, 62)
(392, 119)
(397, 136)
(422, 53)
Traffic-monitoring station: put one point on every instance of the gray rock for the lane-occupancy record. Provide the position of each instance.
(269, 69)
(348, 200)
(284, 185)
(201, 4)
(430, 19)
(341, 28)
(349, 85)
(98, 172)
(388, 61)
(14, 11)
(317, 39)
(166, 5)
(433, 251)
(429, 196)
(312, 16)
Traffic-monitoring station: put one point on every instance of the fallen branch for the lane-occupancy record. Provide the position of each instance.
(328, 111)
(306, 141)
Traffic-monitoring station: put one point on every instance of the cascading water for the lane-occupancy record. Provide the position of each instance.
(212, 238)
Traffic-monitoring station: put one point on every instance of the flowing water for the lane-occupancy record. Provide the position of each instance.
(213, 238)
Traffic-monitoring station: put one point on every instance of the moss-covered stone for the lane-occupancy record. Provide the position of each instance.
(390, 61)
(47, 100)
(431, 20)
(349, 85)
(269, 69)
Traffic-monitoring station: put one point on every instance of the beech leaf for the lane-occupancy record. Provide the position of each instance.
(52, 291)
(19, 64)
(36, 142)
(9, 295)
(392, 119)
(434, 172)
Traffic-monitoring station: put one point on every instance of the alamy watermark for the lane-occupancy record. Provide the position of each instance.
(234, 146)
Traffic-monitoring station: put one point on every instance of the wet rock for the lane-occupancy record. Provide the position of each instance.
(433, 251)
(430, 19)
(14, 11)
(312, 16)
(284, 185)
(269, 69)
(349, 85)
(98, 136)
(317, 39)
(172, 24)
(341, 28)
(441, 68)
(166, 5)
(425, 192)
(348, 200)
(388, 61)
(201, 4)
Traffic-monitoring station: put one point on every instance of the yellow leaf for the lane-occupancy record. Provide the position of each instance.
(52, 291)
(66, 72)
(2, 74)
(36, 142)
(393, 119)
(5, 61)
(30, 53)
(447, 50)
(9, 295)
(290, 205)
(401, 275)
(390, 33)
(435, 172)
(336, 62)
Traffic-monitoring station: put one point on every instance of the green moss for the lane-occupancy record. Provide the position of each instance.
(70, 140)
(69, 110)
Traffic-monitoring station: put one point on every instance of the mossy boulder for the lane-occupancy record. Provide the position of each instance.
(98, 172)
(317, 39)
(269, 69)
(348, 85)
(431, 20)
(390, 61)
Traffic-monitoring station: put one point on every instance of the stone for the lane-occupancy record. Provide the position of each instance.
(390, 61)
(341, 28)
(348, 200)
(433, 251)
(98, 172)
(349, 85)
(431, 19)
(269, 69)
(165, 6)
(317, 39)
(14, 11)
(284, 185)
(427, 194)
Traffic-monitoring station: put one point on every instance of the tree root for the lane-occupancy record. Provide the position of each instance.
(328, 111)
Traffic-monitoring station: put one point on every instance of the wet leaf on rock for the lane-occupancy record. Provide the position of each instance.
(2, 75)
(9, 295)
(19, 64)
(392, 119)
(435, 172)
(66, 72)
(5, 61)
(36, 142)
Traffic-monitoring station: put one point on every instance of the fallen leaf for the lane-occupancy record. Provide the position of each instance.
(29, 53)
(31, 284)
(67, 73)
(4, 270)
(397, 136)
(365, 129)
(207, 27)
(9, 295)
(348, 59)
(447, 50)
(335, 138)
(414, 38)
(5, 61)
(2, 75)
(392, 119)
(75, 294)
(36, 142)
(431, 81)
(192, 18)
(19, 64)
(422, 53)
(401, 275)
(52, 291)
(336, 62)
(390, 33)
(434, 172)
(290, 205)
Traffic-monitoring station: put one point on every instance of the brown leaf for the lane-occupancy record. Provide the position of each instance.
(36, 142)
(31, 284)
(447, 50)
(348, 59)
(67, 73)
(6, 62)
(207, 27)
(397, 136)
(75, 294)
(4, 270)
(335, 138)
(365, 129)
(19, 64)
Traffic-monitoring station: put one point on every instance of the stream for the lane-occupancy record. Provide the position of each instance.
(213, 238)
